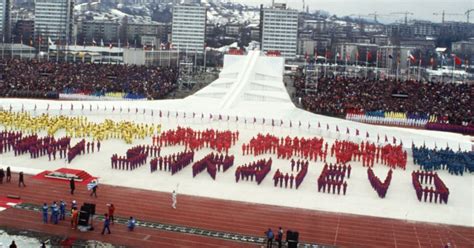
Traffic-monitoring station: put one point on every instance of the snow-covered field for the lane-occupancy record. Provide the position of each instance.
(400, 203)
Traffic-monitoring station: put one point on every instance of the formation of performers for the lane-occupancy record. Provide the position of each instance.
(8, 139)
(213, 163)
(257, 170)
(439, 193)
(332, 177)
(390, 155)
(432, 159)
(286, 148)
(136, 157)
(174, 162)
(221, 141)
(77, 149)
(301, 170)
(377, 185)
(77, 127)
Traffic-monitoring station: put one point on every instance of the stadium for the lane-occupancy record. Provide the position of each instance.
(385, 195)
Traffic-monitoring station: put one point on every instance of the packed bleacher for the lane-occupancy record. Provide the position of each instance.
(390, 102)
(43, 79)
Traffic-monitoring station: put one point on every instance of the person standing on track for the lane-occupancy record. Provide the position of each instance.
(111, 209)
(269, 234)
(174, 196)
(9, 174)
(106, 224)
(21, 180)
(72, 185)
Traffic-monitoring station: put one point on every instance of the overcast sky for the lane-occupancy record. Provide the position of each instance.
(423, 9)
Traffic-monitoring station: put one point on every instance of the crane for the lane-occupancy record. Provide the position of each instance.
(375, 15)
(443, 14)
(406, 13)
(467, 14)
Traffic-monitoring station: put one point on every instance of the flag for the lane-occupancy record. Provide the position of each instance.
(110, 46)
(328, 54)
(457, 60)
(50, 41)
(94, 43)
(102, 42)
(411, 57)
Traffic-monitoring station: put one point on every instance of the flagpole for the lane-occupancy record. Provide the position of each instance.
(205, 51)
(377, 66)
(454, 66)
(419, 69)
(409, 64)
(398, 66)
(366, 64)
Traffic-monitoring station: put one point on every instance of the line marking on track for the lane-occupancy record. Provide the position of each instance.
(146, 237)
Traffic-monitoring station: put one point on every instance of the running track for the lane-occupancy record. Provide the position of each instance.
(230, 216)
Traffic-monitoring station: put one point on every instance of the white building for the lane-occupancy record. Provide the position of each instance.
(54, 19)
(279, 30)
(188, 30)
(5, 9)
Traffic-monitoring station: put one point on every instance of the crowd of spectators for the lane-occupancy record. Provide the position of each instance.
(47, 78)
(337, 96)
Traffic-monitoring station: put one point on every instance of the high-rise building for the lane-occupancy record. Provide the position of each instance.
(54, 20)
(279, 30)
(5, 7)
(188, 29)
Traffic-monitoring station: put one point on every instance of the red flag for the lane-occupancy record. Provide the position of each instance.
(457, 60)
(328, 54)
(369, 55)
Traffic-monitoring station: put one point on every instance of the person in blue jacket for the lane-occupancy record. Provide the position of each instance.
(45, 213)
(131, 224)
(62, 209)
(270, 237)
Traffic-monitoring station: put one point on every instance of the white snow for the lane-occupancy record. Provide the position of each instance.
(235, 94)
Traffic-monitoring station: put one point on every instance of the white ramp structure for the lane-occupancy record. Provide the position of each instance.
(253, 81)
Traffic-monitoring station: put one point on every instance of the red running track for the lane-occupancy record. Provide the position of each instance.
(221, 215)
